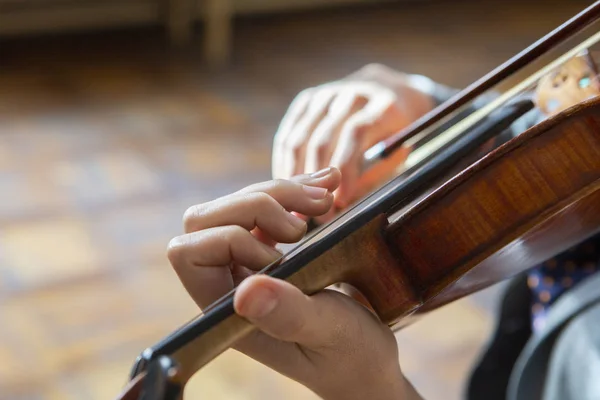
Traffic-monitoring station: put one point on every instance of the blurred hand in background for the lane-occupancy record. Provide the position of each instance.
(335, 123)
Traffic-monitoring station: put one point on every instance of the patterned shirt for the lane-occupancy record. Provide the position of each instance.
(553, 278)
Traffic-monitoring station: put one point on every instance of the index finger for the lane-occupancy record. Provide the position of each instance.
(265, 205)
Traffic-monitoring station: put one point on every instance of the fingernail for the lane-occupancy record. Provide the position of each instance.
(321, 173)
(295, 221)
(315, 175)
(259, 304)
(316, 193)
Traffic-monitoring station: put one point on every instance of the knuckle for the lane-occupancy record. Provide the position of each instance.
(374, 71)
(262, 200)
(261, 204)
(232, 232)
(278, 183)
(373, 68)
(191, 216)
(282, 187)
(175, 251)
(303, 95)
(249, 189)
(292, 329)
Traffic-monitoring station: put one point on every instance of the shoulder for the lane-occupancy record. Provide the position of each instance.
(574, 364)
(562, 361)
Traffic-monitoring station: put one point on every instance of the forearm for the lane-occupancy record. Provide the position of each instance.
(394, 389)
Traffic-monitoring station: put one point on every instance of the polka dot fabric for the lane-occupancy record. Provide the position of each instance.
(551, 279)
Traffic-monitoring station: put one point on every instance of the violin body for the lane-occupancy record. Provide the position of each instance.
(531, 199)
(523, 203)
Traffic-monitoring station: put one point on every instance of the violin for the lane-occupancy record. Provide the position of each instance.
(451, 223)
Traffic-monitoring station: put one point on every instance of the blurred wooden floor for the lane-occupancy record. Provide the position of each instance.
(105, 139)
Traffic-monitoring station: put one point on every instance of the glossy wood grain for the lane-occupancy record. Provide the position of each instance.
(366, 261)
(541, 187)
(566, 228)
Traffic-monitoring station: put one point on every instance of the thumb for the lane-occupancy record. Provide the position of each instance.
(282, 311)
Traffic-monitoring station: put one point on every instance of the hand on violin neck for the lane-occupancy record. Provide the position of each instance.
(239, 231)
(328, 342)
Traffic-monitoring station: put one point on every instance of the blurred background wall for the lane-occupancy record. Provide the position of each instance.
(117, 116)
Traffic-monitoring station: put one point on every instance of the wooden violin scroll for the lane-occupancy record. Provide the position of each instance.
(574, 82)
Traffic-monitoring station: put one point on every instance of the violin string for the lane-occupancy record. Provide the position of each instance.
(441, 114)
(420, 156)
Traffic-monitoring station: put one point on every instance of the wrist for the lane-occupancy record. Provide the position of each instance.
(392, 387)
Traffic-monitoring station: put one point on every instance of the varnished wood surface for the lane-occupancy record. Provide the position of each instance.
(383, 282)
(106, 139)
(541, 189)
